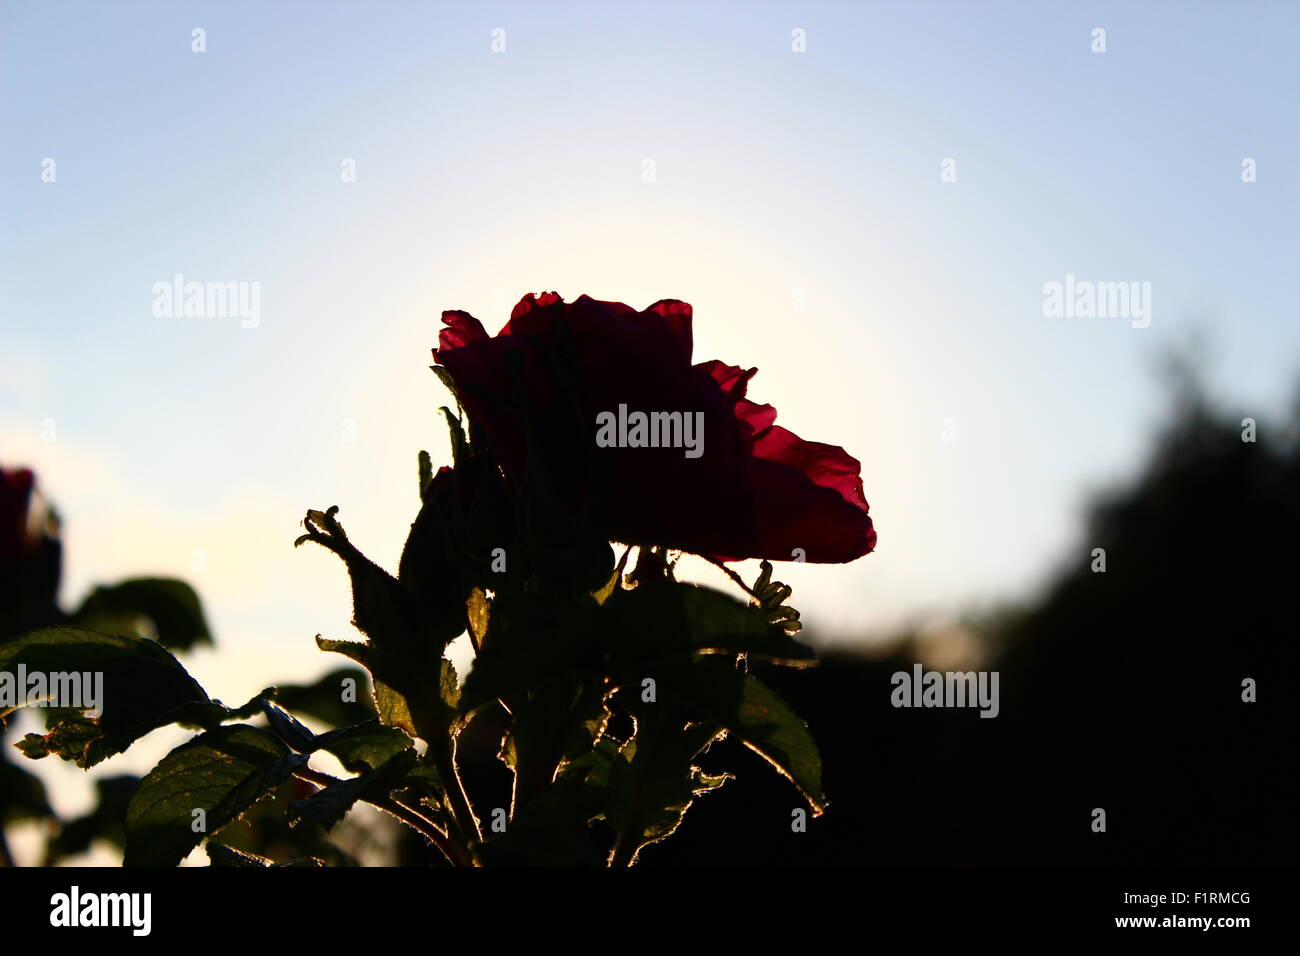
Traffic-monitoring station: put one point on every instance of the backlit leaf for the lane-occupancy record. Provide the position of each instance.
(222, 773)
(170, 607)
(144, 687)
(712, 687)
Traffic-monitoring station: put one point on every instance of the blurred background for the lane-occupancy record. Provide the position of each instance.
(865, 201)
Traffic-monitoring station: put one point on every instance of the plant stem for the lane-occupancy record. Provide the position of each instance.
(433, 721)
(454, 852)
(621, 857)
(444, 758)
(417, 821)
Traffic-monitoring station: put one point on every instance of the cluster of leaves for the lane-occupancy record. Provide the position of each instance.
(130, 633)
(612, 692)
(614, 678)
(162, 612)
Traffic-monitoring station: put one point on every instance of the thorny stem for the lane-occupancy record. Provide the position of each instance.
(454, 853)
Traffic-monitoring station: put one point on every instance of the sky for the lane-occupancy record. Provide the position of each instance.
(864, 200)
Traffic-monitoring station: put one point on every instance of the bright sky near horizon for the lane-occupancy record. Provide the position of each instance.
(632, 152)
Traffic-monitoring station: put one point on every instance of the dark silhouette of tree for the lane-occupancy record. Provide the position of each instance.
(1120, 690)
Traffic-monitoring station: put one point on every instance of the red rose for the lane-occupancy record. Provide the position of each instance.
(30, 556)
(15, 541)
(746, 488)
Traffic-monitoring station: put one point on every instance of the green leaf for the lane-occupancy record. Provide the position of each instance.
(221, 855)
(444, 376)
(558, 721)
(329, 805)
(289, 729)
(406, 635)
(425, 783)
(712, 687)
(426, 472)
(528, 644)
(222, 772)
(390, 704)
(356, 650)
(654, 781)
(168, 609)
(660, 618)
(143, 687)
(602, 593)
(386, 611)
(393, 708)
(459, 444)
(555, 829)
(478, 611)
(359, 748)
(366, 746)
(449, 686)
(325, 699)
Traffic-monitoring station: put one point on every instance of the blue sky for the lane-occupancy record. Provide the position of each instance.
(779, 178)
